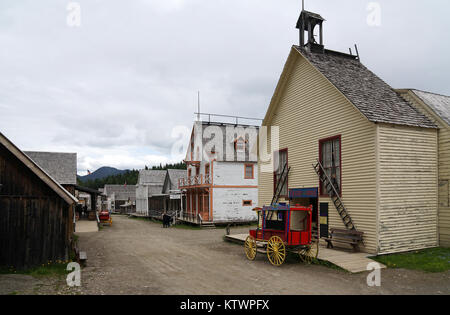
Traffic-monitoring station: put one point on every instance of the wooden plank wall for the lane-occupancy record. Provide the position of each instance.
(310, 109)
(408, 192)
(444, 165)
(35, 223)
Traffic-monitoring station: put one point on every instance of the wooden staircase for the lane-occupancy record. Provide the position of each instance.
(280, 185)
(334, 195)
(207, 225)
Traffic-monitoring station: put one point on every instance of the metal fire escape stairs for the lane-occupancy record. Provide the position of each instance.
(334, 195)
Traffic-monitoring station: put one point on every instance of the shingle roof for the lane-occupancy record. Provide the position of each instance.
(174, 176)
(374, 98)
(155, 189)
(60, 166)
(37, 170)
(440, 104)
(121, 192)
(151, 177)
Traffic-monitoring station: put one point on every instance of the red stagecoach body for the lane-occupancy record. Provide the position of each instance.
(105, 217)
(293, 224)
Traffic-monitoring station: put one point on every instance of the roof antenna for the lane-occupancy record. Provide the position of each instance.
(357, 52)
(198, 107)
(303, 5)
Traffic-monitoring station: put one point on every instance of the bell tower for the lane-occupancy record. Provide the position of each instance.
(307, 23)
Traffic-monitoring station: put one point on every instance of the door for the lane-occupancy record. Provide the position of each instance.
(323, 220)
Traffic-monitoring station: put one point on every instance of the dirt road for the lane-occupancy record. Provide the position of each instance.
(140, 257)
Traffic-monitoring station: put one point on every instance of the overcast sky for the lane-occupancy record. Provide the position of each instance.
(114, 89)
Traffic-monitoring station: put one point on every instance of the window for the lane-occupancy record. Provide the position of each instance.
(330, 157)
(239, 145)
(206, 169)
(249, 171)
(280, 163)
(247, 203)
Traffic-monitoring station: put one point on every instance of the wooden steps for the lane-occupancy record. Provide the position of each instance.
(208, 225)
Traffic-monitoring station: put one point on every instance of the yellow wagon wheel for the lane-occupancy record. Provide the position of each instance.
(250, 247)
(276, 251)
(309, 253)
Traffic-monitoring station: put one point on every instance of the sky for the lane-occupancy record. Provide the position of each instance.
(117, 81)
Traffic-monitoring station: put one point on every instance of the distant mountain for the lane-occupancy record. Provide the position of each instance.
(101, 173)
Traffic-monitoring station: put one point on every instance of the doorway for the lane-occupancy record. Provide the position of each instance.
(306, 197)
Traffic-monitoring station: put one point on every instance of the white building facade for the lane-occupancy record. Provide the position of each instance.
(221, 183)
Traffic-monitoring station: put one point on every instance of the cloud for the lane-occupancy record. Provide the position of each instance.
(114, 89)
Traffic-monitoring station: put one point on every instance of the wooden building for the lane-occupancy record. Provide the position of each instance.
(379, 153)
(174, 198)
(221, 183)
(118, 195)
(149, 192)
(62, 167)
(36, 217)
(437, 108)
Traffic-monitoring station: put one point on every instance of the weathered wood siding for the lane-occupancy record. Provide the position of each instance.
(310, 108)
(444, 166)
(444, 186)
(35, 223)
(408, 186)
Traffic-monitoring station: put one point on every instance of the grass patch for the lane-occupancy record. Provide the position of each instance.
(47, 270)
(428, 260)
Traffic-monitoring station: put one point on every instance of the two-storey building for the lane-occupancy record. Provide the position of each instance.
(221, 184)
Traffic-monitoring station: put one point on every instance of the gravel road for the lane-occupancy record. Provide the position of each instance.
(140, 257)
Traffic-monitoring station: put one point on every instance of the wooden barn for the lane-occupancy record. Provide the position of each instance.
(437, 108)
(352, 147)
(62, 167)
(36, 217)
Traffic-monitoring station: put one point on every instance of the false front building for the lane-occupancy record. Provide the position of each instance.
(221, 183)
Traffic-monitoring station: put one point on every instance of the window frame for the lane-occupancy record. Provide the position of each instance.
(245, 170)
(275, 174)
(321, 142)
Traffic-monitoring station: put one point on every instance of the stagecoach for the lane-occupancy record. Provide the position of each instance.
(281, 229)
(105, 218)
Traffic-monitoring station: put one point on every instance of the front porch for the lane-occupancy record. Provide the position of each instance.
(198, 210)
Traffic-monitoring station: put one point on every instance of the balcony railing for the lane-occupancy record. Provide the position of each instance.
(197, 180)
